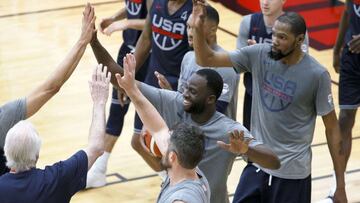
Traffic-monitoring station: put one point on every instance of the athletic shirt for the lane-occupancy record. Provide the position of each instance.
(354, 15)
(169, 38)
(258, 32)
(135, 9)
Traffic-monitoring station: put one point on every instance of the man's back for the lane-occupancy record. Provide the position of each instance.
(56, 183)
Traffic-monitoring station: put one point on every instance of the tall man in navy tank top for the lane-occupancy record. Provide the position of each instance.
(286, 109)
(130, 20)
(165, 34)
(347, 63)
(257, 28)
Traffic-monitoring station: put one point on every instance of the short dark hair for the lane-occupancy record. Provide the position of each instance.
(214, 81)
(296, 22)
(188, 142)
(212, 14)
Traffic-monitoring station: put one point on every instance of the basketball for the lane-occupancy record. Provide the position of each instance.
(151, 145)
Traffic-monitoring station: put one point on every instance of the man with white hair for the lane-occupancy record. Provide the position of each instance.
(20, 109)
(59, 182)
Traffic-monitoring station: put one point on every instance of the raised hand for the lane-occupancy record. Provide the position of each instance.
(127, 81)
(198, 13)
(162, 81)
(88, 24)
(99, 84)
(238, 144)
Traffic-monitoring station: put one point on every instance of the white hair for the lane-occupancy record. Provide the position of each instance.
(22, 146)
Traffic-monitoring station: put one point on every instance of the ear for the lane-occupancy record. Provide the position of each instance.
(172, 157)
(300, 39)
(211, 99)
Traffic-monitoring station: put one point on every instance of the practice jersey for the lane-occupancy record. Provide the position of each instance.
(354, 17)
(169, 38)
(135, 9)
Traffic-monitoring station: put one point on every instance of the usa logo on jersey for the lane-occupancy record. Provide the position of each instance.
(133, 7)
(166, 34)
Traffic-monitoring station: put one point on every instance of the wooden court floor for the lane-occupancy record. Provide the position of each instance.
(35, 37)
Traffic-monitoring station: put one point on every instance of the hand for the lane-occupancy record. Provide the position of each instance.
(336, 61)
(340, 196)
(105, 23)
(162, 81)
(127, 81)
(99, 84)
(251, 42)
(198, 13)
(117, 26)
(88, 24)
(354, 44)
(238, 145)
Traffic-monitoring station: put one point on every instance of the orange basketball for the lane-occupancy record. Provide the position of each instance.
(151, 145)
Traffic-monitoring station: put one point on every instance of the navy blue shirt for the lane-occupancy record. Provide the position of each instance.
(354, 16)
(55, 184)
(135, 9)
(169, 41)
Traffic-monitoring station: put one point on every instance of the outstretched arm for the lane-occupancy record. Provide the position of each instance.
(333, 137)
(205, 56)
(259, 154)
(99, 89)
(151, 118)
(45, 91)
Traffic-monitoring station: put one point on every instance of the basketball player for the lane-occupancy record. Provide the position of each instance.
(290, 88)
(131, 20)
(14, 111)
(197, 106)
(347, 63)
(257, 28)
(165, 34)
(227, 102)
(59, 182)
(182, 147)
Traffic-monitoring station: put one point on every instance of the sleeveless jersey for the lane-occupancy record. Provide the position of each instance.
(135, 9)
(169, 41)
(354, 16)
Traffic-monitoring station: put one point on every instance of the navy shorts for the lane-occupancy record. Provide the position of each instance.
(256, 186)
(349, 83)
(117, 113)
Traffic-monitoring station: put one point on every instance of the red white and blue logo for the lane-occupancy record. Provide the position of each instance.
(167, 34)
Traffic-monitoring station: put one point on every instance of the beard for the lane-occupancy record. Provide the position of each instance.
(277, 55)
(165, 164)
(195, 108)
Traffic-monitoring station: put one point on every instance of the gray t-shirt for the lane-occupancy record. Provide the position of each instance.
(217, 163)
(286, 101)
(244, 30)
(231, 81)
(10, 114)
(189, 191)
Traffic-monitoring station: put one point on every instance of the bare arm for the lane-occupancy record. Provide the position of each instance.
(143, 45)
(204, 55)
(99, 88)
(106, 22)
(334, 143)
(259, 154)
(343, 25)
(103, 57)
(45, 91)
(151, 118)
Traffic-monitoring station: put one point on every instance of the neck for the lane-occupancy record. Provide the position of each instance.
(293, 58)
(270, 19)
(203, 117)
(179, 174)
(212, 42)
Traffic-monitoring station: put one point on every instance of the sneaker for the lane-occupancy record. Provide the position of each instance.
(95, 179)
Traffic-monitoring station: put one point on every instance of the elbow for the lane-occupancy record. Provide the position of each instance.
(275, 163)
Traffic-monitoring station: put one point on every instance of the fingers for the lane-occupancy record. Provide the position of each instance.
(223, 145)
